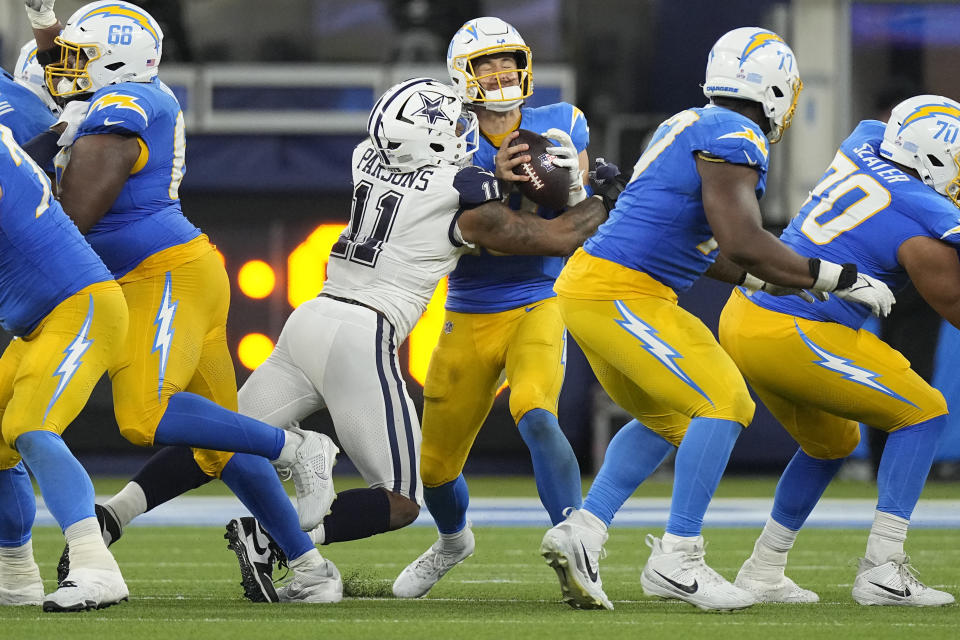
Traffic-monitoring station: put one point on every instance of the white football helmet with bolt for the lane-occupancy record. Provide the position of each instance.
(483, 37)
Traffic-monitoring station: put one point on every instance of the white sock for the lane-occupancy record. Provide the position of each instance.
(87, 549)
(318, 535)
(669, 541)
(128, 504)
(592, 521)
(18, 561)
(772, 546)
(288, 453)
(308, 560)
(886, 538)
(453, 541)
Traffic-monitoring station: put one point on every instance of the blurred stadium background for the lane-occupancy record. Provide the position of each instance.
(276, 95)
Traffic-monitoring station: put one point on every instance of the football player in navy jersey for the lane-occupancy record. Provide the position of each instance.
(693, 194)
(175, 384)
(69, 319)
(501, 312)
(889, 202)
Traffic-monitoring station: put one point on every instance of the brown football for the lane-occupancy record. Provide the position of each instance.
(549, 184)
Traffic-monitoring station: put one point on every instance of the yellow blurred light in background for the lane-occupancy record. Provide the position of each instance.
(254, 349)
(256, 279)
(307, 264)
(425, 335)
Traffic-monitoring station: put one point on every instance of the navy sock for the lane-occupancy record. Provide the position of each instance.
(905, 464)
(701, 460)
(168, 473)
(64, 484)
(448, 504)
(254, 481)
(194, 421)
(18, 507)
(800, 488)
(355, 514)
(555, 466)
(632, 455)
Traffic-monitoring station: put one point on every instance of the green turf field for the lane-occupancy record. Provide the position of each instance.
(184, 583)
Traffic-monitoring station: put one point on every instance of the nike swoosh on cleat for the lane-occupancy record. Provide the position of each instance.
(590, 572)
(262, 550)
(902, 593)
(686, 588)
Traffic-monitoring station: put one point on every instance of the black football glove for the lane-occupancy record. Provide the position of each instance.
(606, 182)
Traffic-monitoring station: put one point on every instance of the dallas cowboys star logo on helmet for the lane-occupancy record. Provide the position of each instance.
(431, 109)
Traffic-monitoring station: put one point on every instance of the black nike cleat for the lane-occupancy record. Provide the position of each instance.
(257, 553)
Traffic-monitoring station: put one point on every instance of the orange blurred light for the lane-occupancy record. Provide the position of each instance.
(256, 279)
(253, 349)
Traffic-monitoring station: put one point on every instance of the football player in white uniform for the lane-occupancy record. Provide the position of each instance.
(417, 207)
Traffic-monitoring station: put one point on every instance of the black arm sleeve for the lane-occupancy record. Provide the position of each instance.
(42, 147)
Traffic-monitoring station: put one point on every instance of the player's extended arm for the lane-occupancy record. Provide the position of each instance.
(730, 202)
(45, 25)
(99, 167)
(934, 268)
(495, 226)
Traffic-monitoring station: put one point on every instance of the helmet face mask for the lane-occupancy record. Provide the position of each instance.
(29, 73)
(105, 43)
(923, 134)
(754, 64)
(496, 89)
(421, 122)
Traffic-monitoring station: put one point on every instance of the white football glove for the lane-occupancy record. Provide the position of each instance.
(40, 13)
(73, 115)
(871, 292)
(567, 157)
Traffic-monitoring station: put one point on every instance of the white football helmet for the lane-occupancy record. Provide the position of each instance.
(29, 73)
(421, 122)
(923, 134)
(104, 43)
(483, 37)
(755, 64)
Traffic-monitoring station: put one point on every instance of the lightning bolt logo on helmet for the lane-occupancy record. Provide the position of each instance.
(758, 41)
(72, 358)
(164, 324)
(930, 111)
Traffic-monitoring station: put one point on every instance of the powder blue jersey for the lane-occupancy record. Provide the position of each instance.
(488, 284)
(659, 226)
(146, 217)
(21, 111)
(861, 211)
(43, 257)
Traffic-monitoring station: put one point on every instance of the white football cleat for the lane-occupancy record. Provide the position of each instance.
(682, 574)
(416, 580)
(86, 589)
(894, 583)
(771, 585)
(21, 586)
(312, 471)
(319, 583)
(574, 549)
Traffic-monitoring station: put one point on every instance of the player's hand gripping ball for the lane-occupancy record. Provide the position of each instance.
(549, 184)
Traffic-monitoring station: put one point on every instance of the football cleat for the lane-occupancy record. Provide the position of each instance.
(312, 469)
(319, 583)
(682, 574)
(770, 585)
(574, 549)
(20, 586)
(416, 580)
(895, 583)
(86, 589)
(256, 552)
(110, 529)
